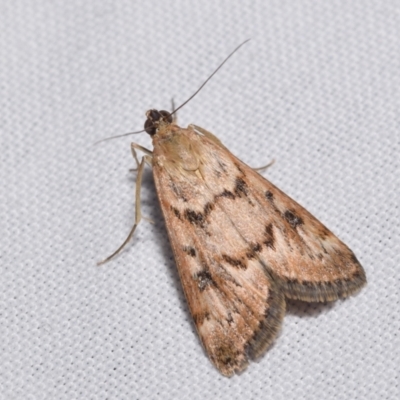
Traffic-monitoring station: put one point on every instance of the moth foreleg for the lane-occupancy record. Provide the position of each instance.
(138, 214)
(265, 166)
(134, 155)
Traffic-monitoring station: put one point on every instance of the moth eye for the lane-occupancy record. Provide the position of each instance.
(154, 115)
(166, 115)
(149, 127)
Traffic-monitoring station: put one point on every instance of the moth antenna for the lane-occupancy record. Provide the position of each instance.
(201, 87)
(117, 136)
(175, 118)
(187, 101)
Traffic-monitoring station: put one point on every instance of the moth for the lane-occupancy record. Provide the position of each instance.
(241, 245)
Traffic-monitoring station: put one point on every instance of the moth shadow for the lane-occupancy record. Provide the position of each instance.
(303, 309)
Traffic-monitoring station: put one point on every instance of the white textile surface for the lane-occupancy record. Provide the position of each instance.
(317, 89)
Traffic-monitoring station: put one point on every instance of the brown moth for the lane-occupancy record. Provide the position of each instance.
(241, 245)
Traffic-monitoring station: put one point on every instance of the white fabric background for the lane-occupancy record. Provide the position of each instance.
(317, 89)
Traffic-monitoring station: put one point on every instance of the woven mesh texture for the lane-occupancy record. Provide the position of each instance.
(317, 89)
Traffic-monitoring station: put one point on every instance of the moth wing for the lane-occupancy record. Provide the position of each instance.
(237, 312)
(237, 309)
(305, 258)
(240, 245)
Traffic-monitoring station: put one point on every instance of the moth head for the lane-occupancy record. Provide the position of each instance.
(156, 118)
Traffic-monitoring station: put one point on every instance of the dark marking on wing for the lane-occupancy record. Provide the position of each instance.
(240, 187)
(293, 219)
(270, 196)
(176, 212)
(269, 237)
(227, 194)
(239, 168)
(208, 208)
(235, 262)
(195, 218)
(324, 233)
(254, 249)
(199, 318)
(199, 218)
(222, 165)
(189, 250)
(229, 320)
(271, 200)
(204, 279)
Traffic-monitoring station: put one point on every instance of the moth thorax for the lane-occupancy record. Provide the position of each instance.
(156, 118)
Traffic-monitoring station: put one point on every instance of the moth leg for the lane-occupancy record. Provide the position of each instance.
(138, 214)
(265, 166)
(147, 159)
(207, 134)
(134, 155)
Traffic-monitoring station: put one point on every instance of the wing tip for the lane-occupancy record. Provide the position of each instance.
(229, 362)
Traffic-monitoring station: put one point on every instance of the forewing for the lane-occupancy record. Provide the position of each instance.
(240, 245)
(237, 307)
(305, 258)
